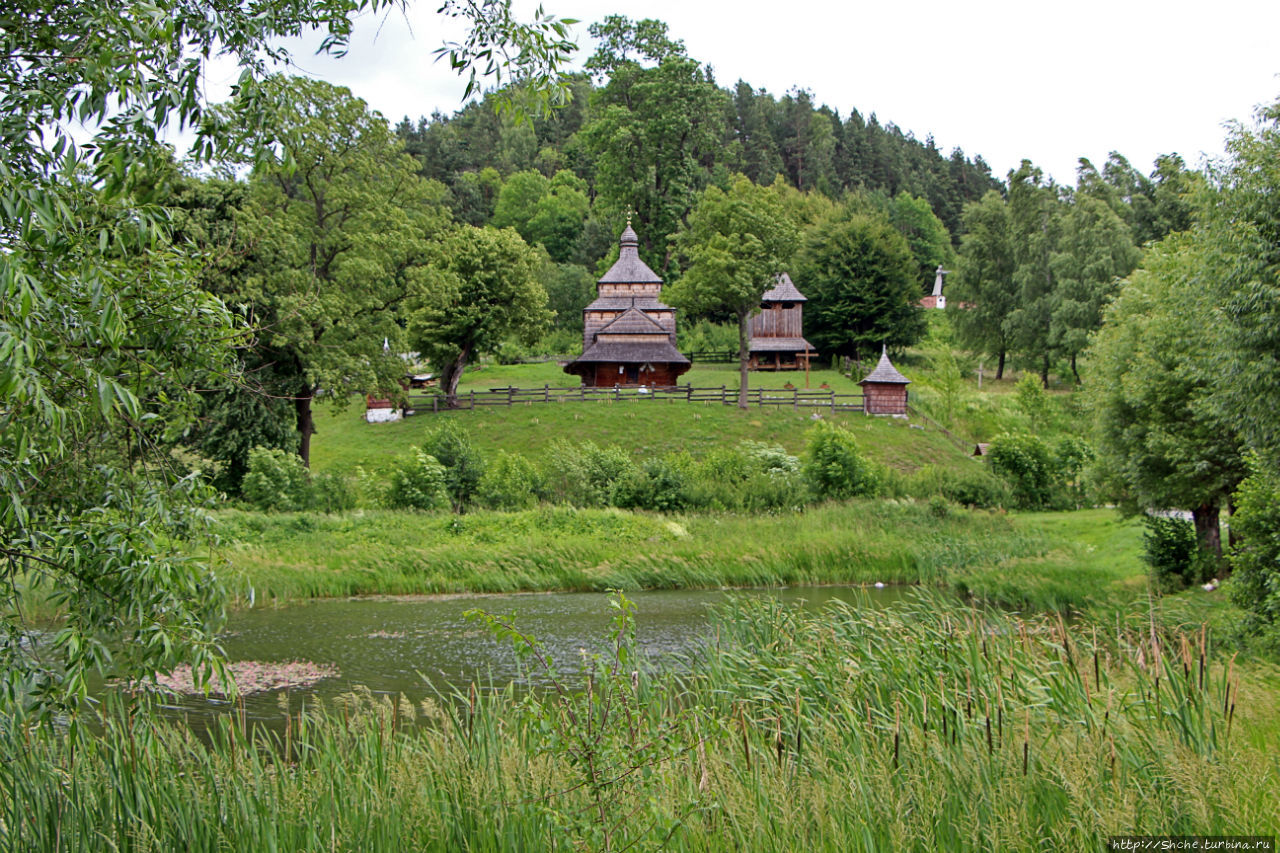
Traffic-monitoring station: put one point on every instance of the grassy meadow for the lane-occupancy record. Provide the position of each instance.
(1090, 559)
(646, 428)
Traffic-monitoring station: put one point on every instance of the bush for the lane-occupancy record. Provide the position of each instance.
(585, 474)
(510, 482)
(1255, 560)
(834, 468)
(1171, 550)
(333, 493)
(1024, 463)
(660, 485)
(1071, 455)
(975, 487)
(451, 446)
(276, 481)
(418, 481)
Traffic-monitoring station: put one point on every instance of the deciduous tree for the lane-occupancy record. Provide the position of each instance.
(737, 244)
(482, 288)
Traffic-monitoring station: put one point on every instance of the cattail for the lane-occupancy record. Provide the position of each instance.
(1026, 742)
(746, 746)
(897, 726)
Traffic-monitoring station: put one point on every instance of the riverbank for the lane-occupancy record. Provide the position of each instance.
(1038, 561)
(928, 725)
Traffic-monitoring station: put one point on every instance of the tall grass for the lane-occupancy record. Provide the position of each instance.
(990, 555)
(927, 726)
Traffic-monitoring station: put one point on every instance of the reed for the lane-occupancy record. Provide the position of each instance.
(928, 725)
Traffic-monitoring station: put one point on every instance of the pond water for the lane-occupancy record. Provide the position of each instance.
(414, 646)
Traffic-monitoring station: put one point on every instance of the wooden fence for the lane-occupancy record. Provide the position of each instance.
(795, 398)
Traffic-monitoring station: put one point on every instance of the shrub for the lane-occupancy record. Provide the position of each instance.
(975, 486)
(1031, 400)
(1071, 455)
(660, 485)
(418, 481)
(834, 468)
(1255, 559)
(276, 480)
(1024, 463)
(451, 446)
(1171, 550)
(333, 493)
(585, 474)
(510, 481)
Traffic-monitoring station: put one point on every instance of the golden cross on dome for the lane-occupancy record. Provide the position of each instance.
(628, 216)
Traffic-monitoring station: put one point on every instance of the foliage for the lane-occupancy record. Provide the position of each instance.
(1035, 225)
(926, 236)
(482, 288)
(620, 36)
(1072, 456)
(585, 474)
(418, 481)
(510, 481)
(1032, 401)
(1171, 550)
(984, 279)
(660, 485)
(833, 465)
(1240, 231)
(603, 733)
(570, 288)
(859, 276)
(1255, 560)
(975, 486)
(1025, 463)
(737, 243)
(276, 480)
(651, 133)
(1161, 442)
(450, 445)
(338, 223)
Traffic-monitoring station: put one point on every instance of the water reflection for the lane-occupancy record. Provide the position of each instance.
(410, 645)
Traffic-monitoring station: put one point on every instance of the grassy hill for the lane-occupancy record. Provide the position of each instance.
(644, 427)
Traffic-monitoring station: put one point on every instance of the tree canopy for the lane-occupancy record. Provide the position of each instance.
(737, 243)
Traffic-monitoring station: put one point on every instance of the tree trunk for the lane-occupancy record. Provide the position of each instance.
(744, 354)
(1044, 372)
(1000, 366)
(450, 374)
(1074, 372)
(1205, 518)
(306, 423)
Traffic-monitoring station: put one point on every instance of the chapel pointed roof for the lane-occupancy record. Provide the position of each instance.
(783, 291)
(885, 372)
(629, 269)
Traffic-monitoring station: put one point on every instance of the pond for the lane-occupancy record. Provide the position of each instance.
(414, 646)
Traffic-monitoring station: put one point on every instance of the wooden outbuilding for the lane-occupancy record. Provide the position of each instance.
(628, 334)
(885, 389)
(777, 337)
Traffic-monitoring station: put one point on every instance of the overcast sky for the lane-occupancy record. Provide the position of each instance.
(1006, 80)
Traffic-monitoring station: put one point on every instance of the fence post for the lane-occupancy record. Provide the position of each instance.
(795, 399)
(511, 394)
(435, 404)
(546, 393)
(473, 401)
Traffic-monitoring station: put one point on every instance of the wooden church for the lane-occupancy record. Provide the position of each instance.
(629, 335)
(777, 339)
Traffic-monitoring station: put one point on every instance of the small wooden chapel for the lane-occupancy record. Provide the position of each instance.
(628, 334)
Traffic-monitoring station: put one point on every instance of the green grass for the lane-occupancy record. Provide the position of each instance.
(1049, 562)
(644, 427)
(926, 726)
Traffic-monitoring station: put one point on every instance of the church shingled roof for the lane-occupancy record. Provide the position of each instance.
(885, 372)
(633, 321)
(629, 269)
(783, 291)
